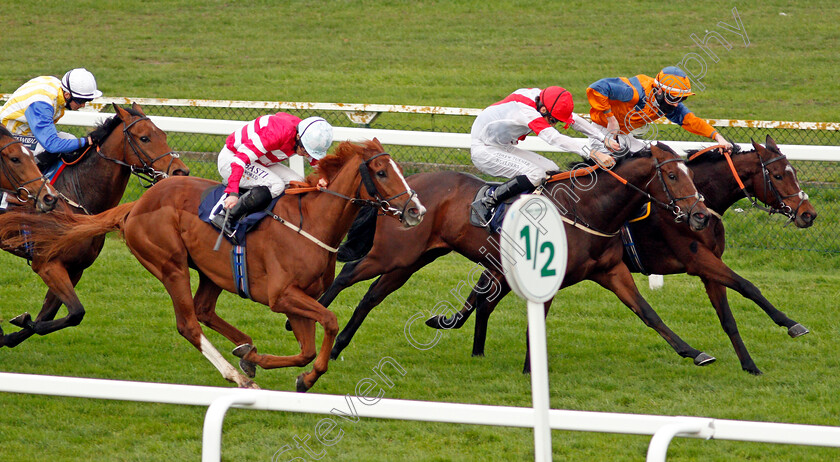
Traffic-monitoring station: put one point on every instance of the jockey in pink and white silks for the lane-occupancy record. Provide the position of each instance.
(252, 158)
(497, 130)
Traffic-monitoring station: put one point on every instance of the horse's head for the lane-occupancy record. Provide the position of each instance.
(777, 186)
(141, 145)
(383, 184)
(19, 175)
(676, 187)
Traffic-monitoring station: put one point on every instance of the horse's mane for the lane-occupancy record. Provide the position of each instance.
(104, 128)
(5, 131)
(714, 155)
(331, 164)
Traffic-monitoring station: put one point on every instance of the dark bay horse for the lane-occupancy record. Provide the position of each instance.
(287, 268)
(596, 206)
(130, 144)
(20, 177)
(665, 247)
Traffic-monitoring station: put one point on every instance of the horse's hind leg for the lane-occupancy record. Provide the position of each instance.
(717, 294)
(619, 280)
(710, 267)
(170, 267)
(62, 290)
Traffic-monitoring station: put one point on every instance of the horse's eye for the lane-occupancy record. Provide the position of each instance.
(778, 177)
(382, 173)
(672, 176)
(145, 139)
(15, 159)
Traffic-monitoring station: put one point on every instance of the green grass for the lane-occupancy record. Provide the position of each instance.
(602, 358)
(462, 54)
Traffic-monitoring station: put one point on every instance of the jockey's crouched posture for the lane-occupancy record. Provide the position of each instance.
(498, 129)
(621, 105)
(252, 155)
(33, 109)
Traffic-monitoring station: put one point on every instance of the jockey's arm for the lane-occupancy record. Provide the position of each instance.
(40, 118)
(581, 125)
(693, 124)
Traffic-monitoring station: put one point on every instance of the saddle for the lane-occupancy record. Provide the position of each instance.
(212, 204)
(495, 224)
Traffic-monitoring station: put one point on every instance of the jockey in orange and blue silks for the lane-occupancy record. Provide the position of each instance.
(621, 105)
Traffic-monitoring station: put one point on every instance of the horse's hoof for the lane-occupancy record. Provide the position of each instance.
(242, 350)
(334, 354)
(249, 384)
(300, 385)
(704, 360)
(754, 371)
(478, 354)
(797, 330)
(288, 325)
(249, 368)
(21, 320)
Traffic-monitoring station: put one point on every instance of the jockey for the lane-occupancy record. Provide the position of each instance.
(498, 129)
(34, 108)
(252, 155)
(622, 105)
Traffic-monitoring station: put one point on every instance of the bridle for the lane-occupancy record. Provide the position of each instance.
(372, 191)
(20, 191)
(146, 174)
(782, 208)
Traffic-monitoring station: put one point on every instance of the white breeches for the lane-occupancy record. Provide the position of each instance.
(510, 161)
(276, 177)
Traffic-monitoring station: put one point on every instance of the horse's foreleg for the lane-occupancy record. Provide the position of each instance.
(296, 304)
(619, 280)
(717, 295)
(710, 267)
(376, 293)
(48, 312)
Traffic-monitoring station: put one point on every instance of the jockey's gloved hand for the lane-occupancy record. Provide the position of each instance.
(96, 140)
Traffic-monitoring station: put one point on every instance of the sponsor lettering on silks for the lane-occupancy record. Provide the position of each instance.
(29, 141)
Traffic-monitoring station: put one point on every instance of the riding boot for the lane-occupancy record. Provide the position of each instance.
(252, 201)
(485, 206)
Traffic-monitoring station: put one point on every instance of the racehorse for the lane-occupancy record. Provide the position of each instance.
(665, 247)
(594, 208)
(95, 182)
(287, 267)
(20, 178)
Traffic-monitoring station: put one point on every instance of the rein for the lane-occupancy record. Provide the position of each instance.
(370, 187)
(784, 209)
(671, 206)
(21, 192)
(147, 175)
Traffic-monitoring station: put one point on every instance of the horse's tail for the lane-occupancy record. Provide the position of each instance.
(50, 234)
(360, 237)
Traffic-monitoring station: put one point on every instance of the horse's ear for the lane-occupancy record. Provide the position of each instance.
(756, 146)
(137, 108)
(377, 143)
(772, 143)
(122, 113)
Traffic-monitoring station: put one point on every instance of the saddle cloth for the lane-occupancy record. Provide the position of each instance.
(211, 204)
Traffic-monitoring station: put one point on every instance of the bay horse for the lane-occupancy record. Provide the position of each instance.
(131, 144)
(762, 174)
(20, 178)
(287, 267)
(594, 210)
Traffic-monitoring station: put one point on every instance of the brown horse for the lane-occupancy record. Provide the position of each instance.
(287, 267)
(595, 208)
(20, 178)
(131, 144)
(665, 247)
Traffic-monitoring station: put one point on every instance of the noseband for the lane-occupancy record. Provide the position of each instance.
(20, 192)
(672, 201)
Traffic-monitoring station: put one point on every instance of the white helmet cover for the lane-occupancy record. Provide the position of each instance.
(80, 83)
(316, 136)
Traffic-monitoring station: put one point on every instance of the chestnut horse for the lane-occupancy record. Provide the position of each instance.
(131, 144)
(20, 178)
(665, 247)
(595, 209)
(287, 267)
